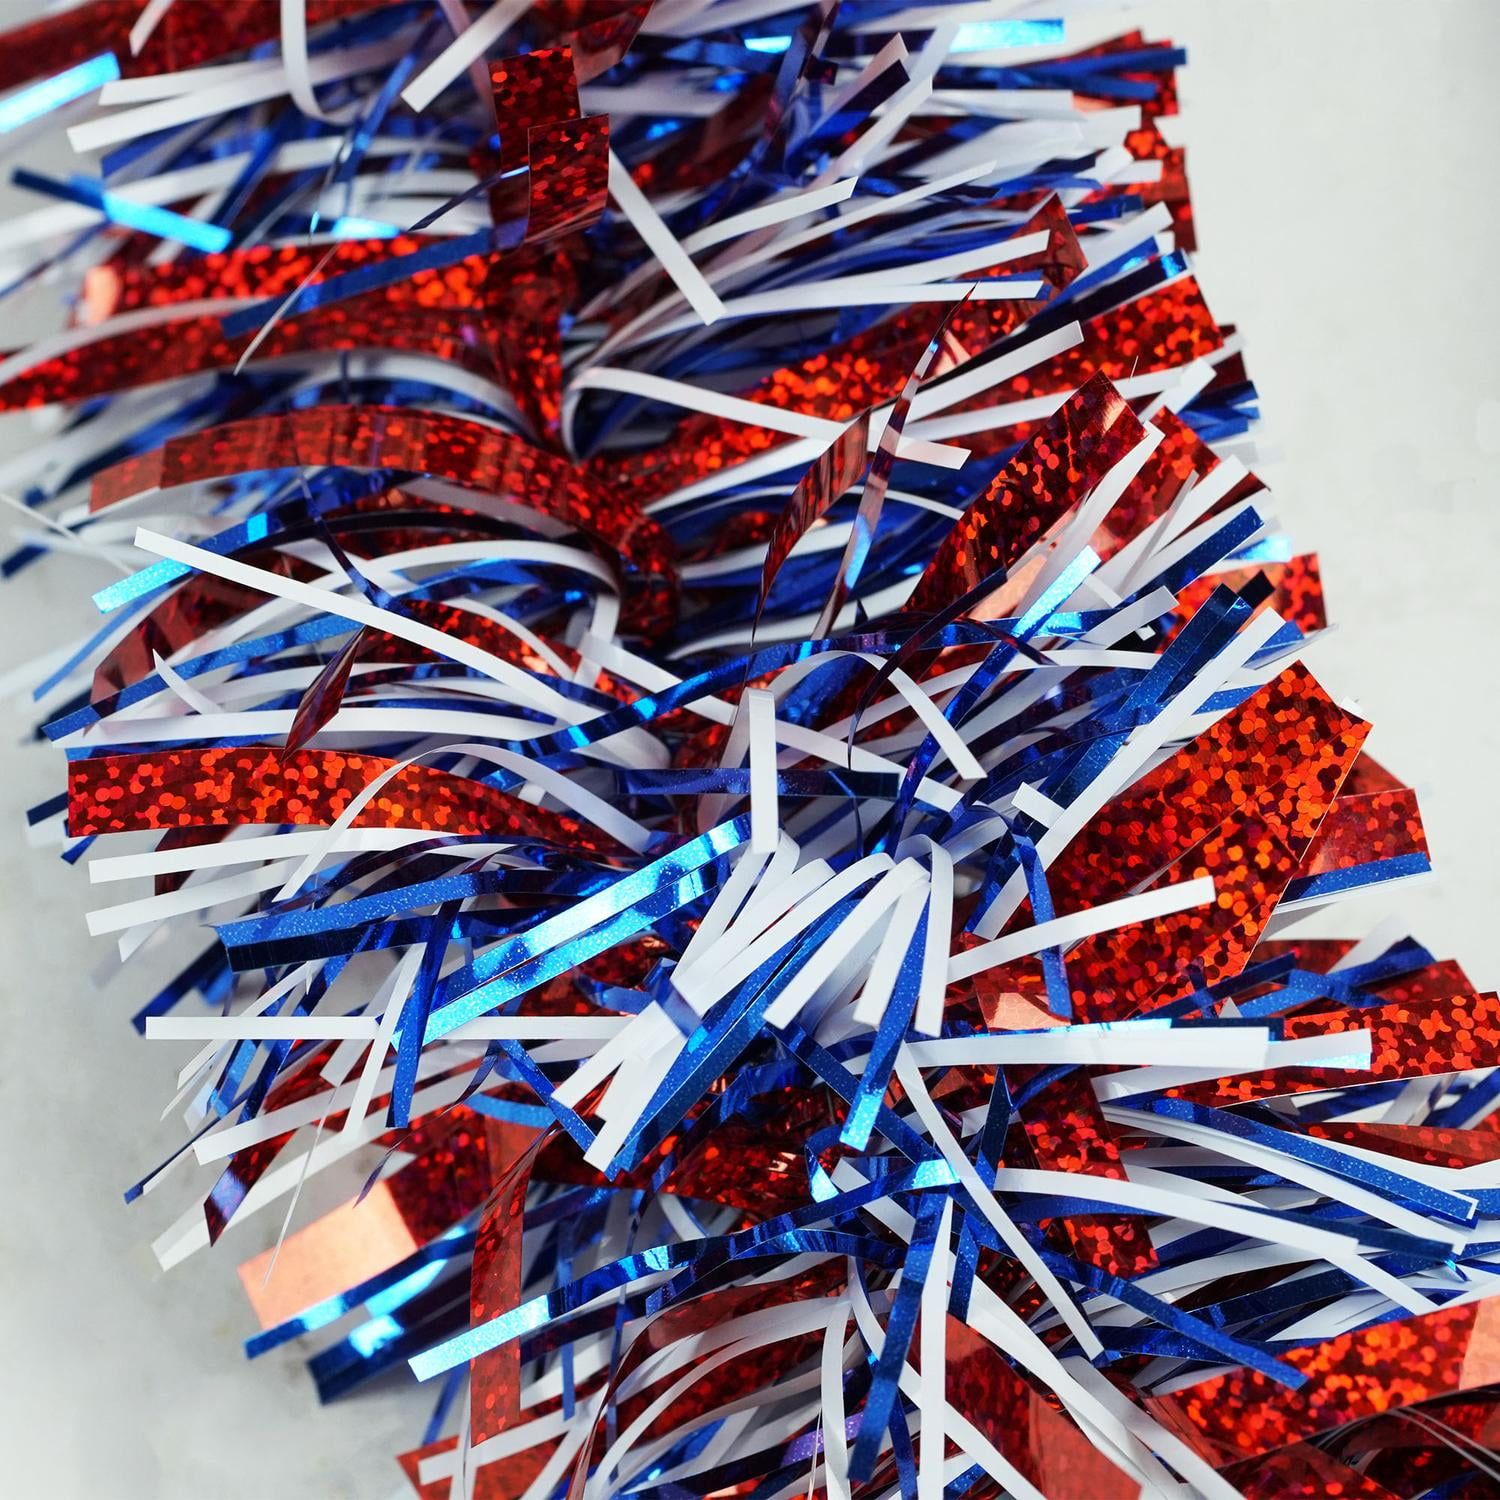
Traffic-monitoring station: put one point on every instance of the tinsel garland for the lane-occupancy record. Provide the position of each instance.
(688, 614)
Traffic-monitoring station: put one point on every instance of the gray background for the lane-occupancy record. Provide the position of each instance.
(1342, 160)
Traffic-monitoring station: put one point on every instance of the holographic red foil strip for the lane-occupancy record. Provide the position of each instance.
(455, 449)
(450, 1176)
(495, 1286)
(1243, 1414)
(569, 179)
(1181, 456)
(263, 271)
(262, 785)
(1371, 826)
(1431, 1145)
(1090, 433)
(1068, 1133)
(1241, 804)
(532, 88)
(1289, 734)
(191, 346)
(1303, 1472)
(1141, 967)
(1161, 330)
(830, 474)
(325, 694)
(1296, 590)
(188, 36)
(1419, 1039)
(1024, 1426)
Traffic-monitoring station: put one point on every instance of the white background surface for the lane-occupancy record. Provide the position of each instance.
(1342, 154)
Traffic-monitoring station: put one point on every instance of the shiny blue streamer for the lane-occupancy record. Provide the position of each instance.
(1054, 966)
(28, 104)
(404, 1274)
(900, 1325)
(984, 677)
(415, 1012)
(1210, 1342)
(148, 218)
(1356, 877)
(1411, 1192)
(865, 1107)
(673, 879)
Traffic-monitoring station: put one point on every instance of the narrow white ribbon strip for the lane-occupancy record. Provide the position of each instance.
(1344, 1049)
(469, 46)
(1064, 931)
(932, 1382)
(1240, 1049)
(110, 130)
(825, 963)
(146, 23)
(295, 60)
(765, 820)
(675, 261)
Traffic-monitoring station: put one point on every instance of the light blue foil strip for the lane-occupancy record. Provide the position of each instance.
(52, 93)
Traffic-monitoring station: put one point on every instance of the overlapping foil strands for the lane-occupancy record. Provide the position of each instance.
(692, 613)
